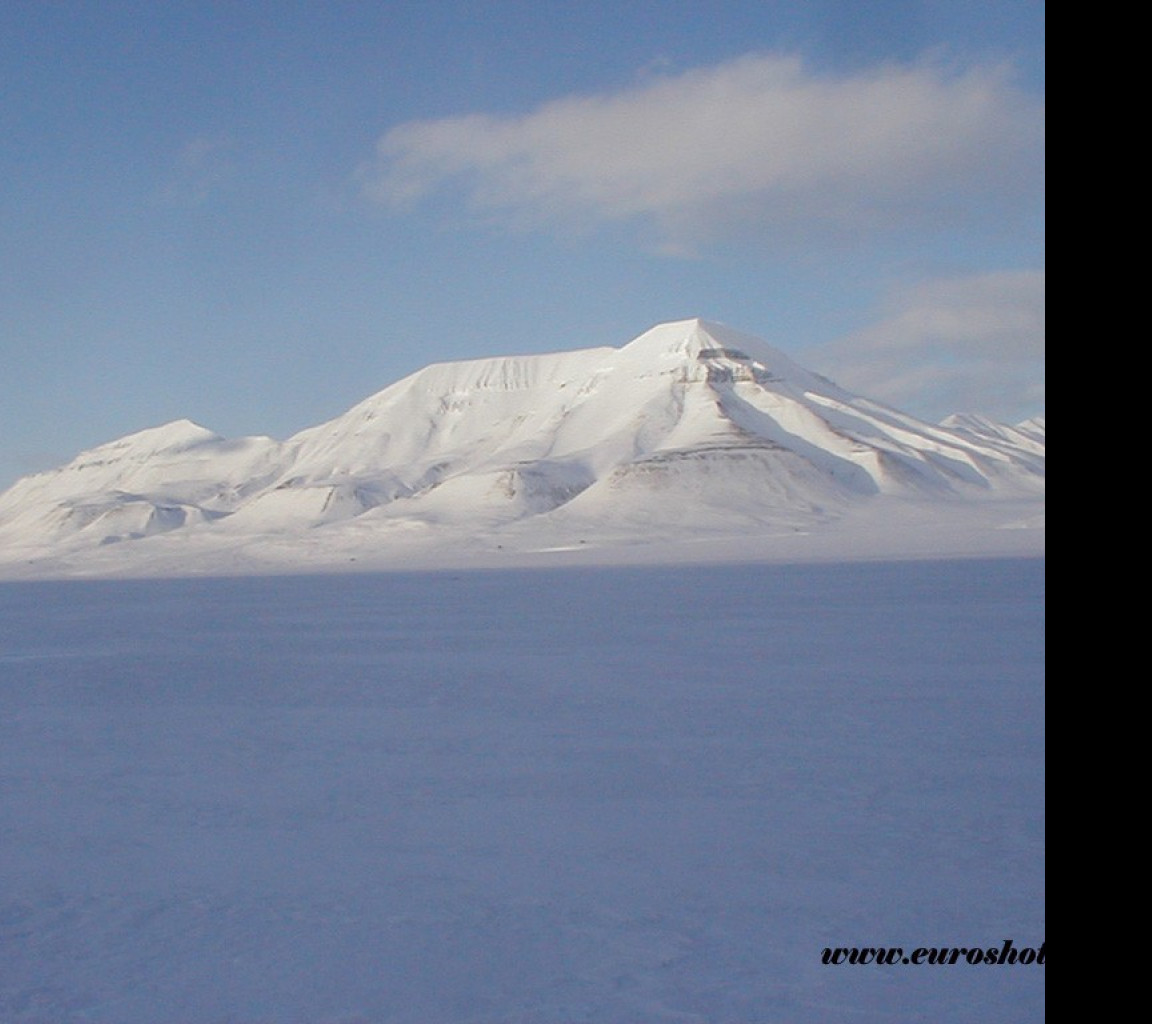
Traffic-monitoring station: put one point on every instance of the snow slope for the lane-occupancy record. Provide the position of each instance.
(691, 431)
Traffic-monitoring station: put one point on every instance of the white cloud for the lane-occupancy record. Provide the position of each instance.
(758, 141)
(968, 344)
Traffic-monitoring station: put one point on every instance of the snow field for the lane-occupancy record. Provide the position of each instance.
(613, 795)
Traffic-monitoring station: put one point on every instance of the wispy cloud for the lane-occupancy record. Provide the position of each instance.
(202, 167)
(967, 344)
(760, 142)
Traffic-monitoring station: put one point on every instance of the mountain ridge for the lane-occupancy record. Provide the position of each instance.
(690, 430)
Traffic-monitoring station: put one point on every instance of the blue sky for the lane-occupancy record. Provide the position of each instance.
(254, 214)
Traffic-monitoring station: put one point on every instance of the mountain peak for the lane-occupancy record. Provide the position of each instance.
(678, 338)
(174, 436)
(719, 352)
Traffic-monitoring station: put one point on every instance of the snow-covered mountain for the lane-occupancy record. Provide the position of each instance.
(691, 431)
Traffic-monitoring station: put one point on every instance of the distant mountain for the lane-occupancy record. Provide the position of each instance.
(691, 431)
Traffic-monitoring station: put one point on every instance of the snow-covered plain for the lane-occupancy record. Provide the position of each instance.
(615, 795)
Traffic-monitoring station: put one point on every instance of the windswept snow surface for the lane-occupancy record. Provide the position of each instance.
(692, 433)
(608, 795)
